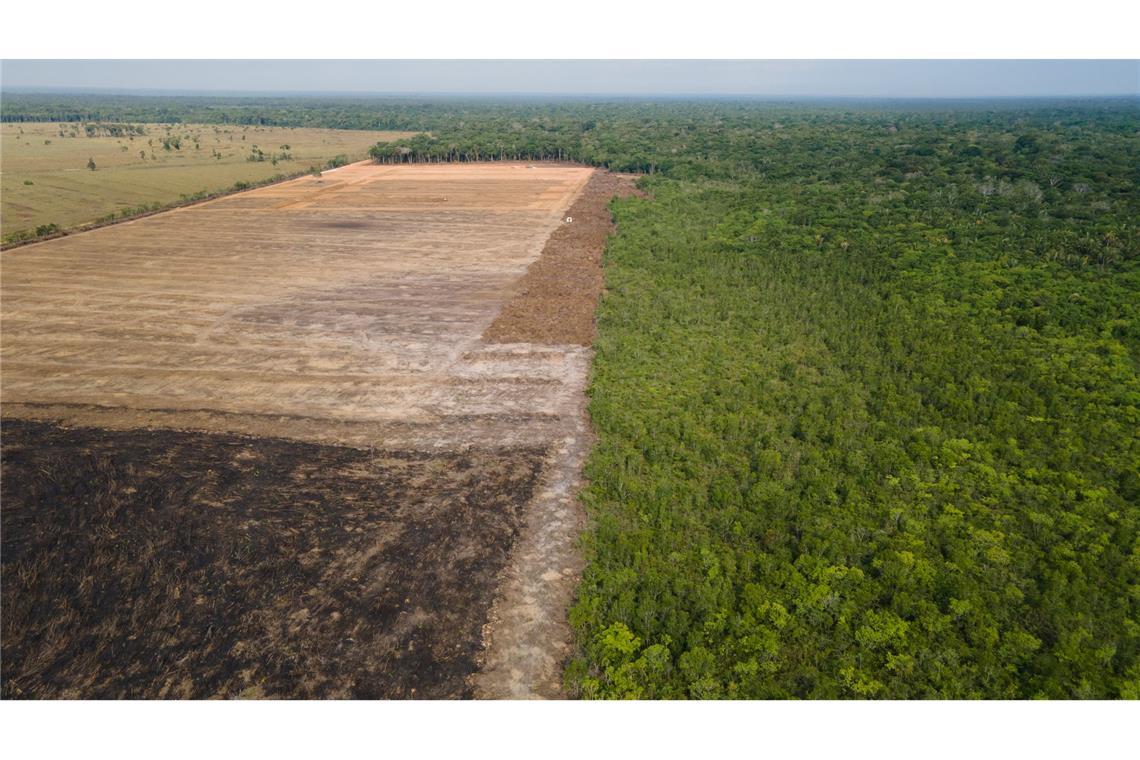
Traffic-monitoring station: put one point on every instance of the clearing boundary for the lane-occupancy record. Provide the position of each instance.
(528, 637)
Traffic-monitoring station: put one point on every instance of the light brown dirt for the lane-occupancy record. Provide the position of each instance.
(341, 309)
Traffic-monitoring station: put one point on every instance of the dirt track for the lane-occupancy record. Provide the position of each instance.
(290, 385)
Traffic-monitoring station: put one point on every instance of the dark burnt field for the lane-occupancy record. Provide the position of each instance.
(151, 564)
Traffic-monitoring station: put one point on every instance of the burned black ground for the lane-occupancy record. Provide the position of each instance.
(145, 564)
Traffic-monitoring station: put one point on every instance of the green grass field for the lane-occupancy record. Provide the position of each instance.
(46, 178)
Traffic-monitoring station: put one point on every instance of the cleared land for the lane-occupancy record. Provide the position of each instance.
(260, 447)
(555, 302)
(159, 166)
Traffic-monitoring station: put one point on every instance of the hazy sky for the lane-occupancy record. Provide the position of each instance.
(899, 78)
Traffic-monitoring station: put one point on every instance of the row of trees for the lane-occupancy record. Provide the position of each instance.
(104, 129)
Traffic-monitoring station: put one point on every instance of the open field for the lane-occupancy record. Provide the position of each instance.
(157, 165)
(280, 454)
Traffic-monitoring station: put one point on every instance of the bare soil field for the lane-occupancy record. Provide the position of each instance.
(259, 447)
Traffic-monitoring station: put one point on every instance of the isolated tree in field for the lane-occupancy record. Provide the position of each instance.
(91, 164)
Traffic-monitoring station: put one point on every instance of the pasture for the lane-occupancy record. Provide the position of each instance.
(47, 180)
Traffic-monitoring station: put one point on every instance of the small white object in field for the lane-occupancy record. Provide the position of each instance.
(569, 219)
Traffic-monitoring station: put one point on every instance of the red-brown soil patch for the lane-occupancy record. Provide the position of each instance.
(555, 301)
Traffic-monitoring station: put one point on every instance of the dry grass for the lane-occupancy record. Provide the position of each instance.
(138, 170)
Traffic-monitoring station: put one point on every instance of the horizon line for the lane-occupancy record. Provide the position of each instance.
(175, 92)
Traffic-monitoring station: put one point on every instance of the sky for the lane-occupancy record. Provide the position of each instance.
(780, 78)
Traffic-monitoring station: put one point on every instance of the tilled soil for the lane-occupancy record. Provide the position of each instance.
(152, 564)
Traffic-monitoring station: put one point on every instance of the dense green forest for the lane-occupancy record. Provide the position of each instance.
(866, 386)
(869, 418)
